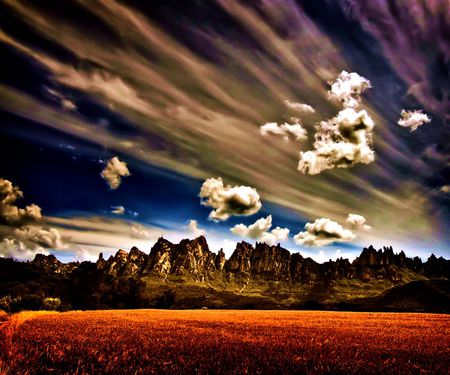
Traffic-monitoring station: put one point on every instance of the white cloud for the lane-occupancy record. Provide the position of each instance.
(295, 129)
(273, 128)
(341, 142)
(229, 200)
(139, 232)
(357, 222)
(118, 210)
(301, 107)
(27, 241)
(84, 254)
(194, 229)
(413, 119)
(10, 213)
(40, 236)
(260, 230)
(323, 232)
(114, 171)
(445, 189)
(14, 248)
(325, 255)
(347, 89)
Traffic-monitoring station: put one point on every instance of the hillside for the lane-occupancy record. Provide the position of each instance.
(190, 275)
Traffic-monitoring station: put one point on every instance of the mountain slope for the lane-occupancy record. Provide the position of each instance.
(190, 275)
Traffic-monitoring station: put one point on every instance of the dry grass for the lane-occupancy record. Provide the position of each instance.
(208, 341)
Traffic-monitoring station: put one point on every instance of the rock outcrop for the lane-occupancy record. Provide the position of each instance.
(51, 265)
(193, 259)
(190, 275)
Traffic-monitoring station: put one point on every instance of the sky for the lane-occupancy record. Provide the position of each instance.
(123, 121)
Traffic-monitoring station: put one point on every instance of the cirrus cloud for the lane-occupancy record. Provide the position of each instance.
(285, 130)
(300, 107)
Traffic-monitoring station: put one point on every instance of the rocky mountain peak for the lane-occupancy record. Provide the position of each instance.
(192, 259)
(50, 264)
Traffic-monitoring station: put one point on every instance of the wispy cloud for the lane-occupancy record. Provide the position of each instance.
(205, 104)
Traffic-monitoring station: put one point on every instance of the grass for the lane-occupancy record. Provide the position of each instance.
(224, 342)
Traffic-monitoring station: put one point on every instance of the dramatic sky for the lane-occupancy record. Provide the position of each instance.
(173, 93)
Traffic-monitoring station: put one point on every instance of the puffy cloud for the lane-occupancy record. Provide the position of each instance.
(271, 127)
(445, 189)
(301, 107)
(194, 229)
(323, 232)
(357, 222)
(260, 230)
(341, 142)
(229, 200)
(348, 87)
(286, 129)
(39, 236)
(346, 139)
(14, 248)
(139, 232)
(19, 240)
(114, 171)
(27, 241)
(10, 213)
(118, 210)
(296, 129)
(83, 254)
(413, 119)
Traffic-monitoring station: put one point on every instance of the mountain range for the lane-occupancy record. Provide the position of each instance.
(190, 275)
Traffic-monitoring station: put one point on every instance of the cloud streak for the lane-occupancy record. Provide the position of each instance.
(196, 108)
(285, 130)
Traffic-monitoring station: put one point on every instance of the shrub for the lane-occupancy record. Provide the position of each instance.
(50, 303)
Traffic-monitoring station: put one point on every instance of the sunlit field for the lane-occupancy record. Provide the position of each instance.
(212, 341)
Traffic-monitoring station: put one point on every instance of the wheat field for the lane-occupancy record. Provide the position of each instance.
(224, 342)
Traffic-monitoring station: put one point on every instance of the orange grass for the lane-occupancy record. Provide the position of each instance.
(212, 341)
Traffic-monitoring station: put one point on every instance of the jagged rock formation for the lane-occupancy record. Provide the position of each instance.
(50, 264)
(194, 259)
(189, 274)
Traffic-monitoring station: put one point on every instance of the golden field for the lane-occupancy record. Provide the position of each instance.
(224, 342)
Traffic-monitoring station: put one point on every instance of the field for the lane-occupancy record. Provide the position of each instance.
(223, 342)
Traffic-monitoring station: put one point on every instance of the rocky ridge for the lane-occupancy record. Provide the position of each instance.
(194, 259)
(190, 275)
